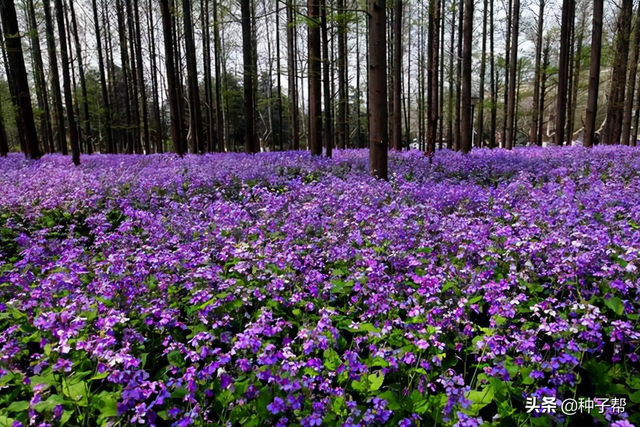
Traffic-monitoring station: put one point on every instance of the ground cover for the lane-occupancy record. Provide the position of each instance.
(282, 289)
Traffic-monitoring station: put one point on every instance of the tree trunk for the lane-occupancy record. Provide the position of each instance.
(83, 83)
(459, 114)
(103, 81)
(483, 69)
(543, 88)
(216, 59)
(55, 79)
(466, 130)
(315, 103)
(195, 110)
(397, 78)
(18, 73)
(536, 79)
(563, 70)
(628, 100)
(511, 100)
(494, 90)
(577, 69)
(452, 115)
(167, 29)
(159, 143)
(293, 77)
(441, 60)
(143, 92)
(41, 84)
(343, 115)
(432, 109)
(249, 106)
(378, 132)
(278, 78)
(71, 120)
(615, 105)
(328, 119)
(507, 77)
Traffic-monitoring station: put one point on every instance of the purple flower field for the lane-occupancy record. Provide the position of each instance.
(282, 289)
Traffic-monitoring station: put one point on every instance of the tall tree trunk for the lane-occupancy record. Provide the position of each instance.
(633, 68)
(249, 106)
(195, 110)
(4, 142)
(494, 89)
(41, 84)
(315, 102)
(543, 88)
(216, 60)
(536, 79)
(55, 79)
(577, 69)
(343, 115)
(511, 100)
(563, 70)
(13, 90)
(124, 57)
(432, 110)
(143, 92)
(103, 81)
(459, 114)
(441, 61)
(279, 78)
(378, 132)
(397, 78)
(172, 83)
(159, 143)
(133, 73)
(483, 69)
(18, 74)
(83, 83)
(64, 59)
(466, 130)
(507, 77)
(328, 119)
(293, 78)
(615, 105)
(209, 139)
(452, 115)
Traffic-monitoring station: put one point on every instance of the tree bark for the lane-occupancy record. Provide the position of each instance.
(494, 90)
(328, 119)
(83, 83)
(41, 84)
(633, 68)
(433, 60)
(249, 105)
(466, 118)
(615, 107)
(216, 59)
(55, 79)
(563, 70)
(511, 100)
(397, 78)
(195, 110)
(103, 81)
(167, 29)
(293, 78)
(483, 69)
(536, 79)
(378, 132)
(543, 87)
(18, 73)
(71, 120)
(315, 103)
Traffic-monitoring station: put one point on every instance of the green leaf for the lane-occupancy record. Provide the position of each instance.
(615, 304)
(375, 381)
(49, 404)
(264, 399)
(479, 399)
(20, 406)
(331, 359)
